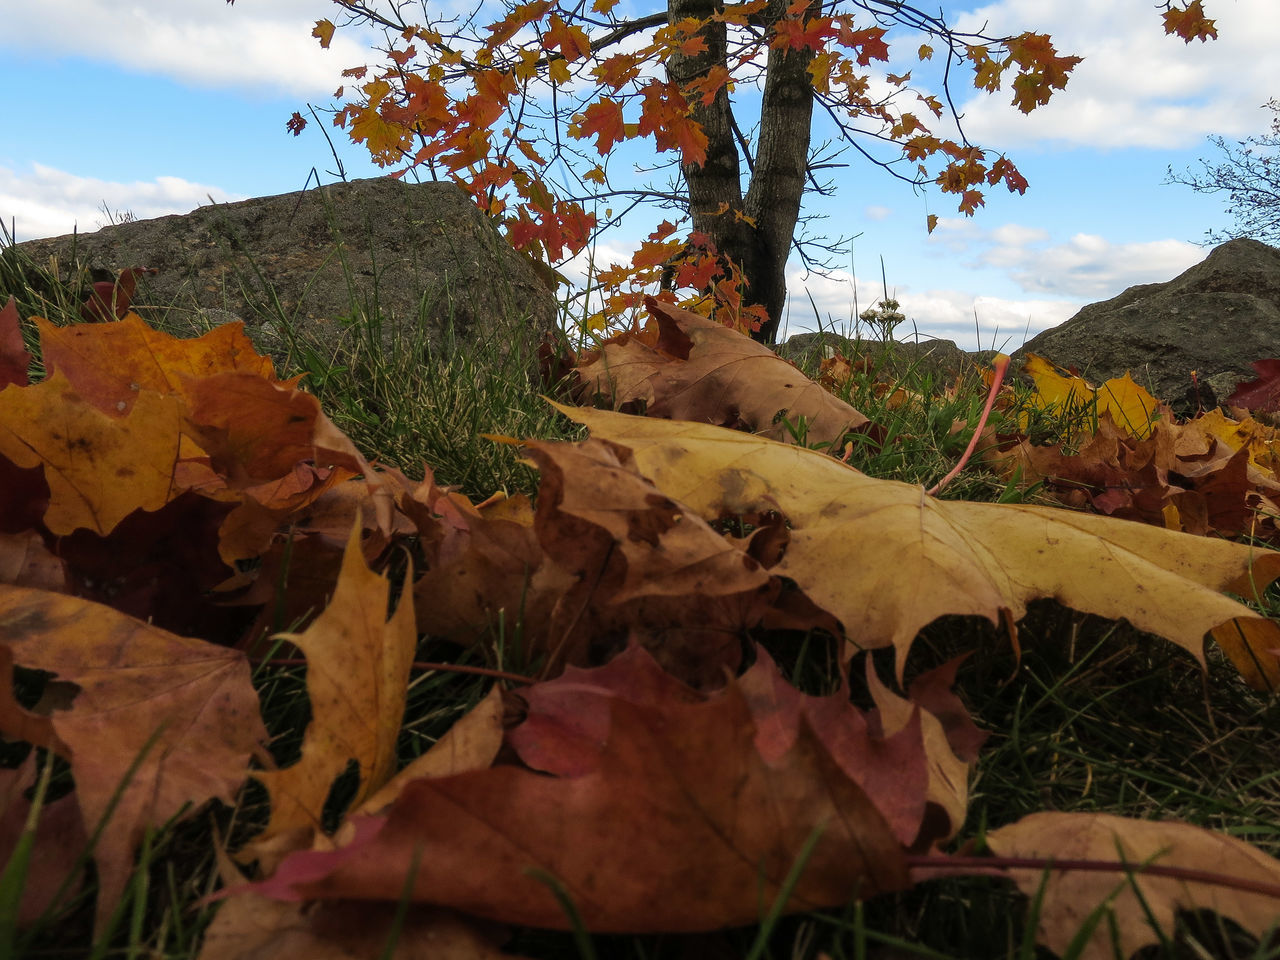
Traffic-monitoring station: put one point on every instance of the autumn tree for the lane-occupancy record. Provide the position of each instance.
(1250, 176)
(531, 107)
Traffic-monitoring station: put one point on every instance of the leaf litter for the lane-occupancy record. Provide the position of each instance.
(656, 716)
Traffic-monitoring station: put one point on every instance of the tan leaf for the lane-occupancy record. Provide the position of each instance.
(358, 665)
(186, 708)
(1072, 895)
(703, 371)
(887, 559)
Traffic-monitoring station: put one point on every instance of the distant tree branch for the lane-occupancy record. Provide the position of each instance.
(1250, 177)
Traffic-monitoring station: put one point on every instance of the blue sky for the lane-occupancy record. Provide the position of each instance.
(157, 106)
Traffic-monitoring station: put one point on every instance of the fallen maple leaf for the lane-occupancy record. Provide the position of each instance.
(183, 710)
(886, 559)
(60, 839)
(1210, 476)
(111, 365)
(1262, 394)
(357, 680)
(109, 300)
(249, 925)
(1130, 407)
(99, 467)
(607, 560)
(680, 776)
(1134, 900)
(692, 368)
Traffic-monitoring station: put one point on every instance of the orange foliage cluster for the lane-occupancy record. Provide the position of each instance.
(163, 503)
(473, 105)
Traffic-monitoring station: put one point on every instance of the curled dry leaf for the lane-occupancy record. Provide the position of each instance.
(185, 710)
(681, 771)
(608, 560)
(887, 559)
(130, 419)
(1134, 899)
(700, 370)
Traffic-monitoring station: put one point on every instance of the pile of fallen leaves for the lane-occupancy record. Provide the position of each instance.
(164, 503)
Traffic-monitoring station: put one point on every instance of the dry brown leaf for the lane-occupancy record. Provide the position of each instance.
(60, 839)
(188, 704)
(682, 777)
(1071, 895)
(703, 371)
(642, 568)
(887, 559)
(608, 560)
(357, 678)
(252, 927)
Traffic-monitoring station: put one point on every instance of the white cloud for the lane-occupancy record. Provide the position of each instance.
(1084, 267)
(1137, 86)
(47, 202)
(262, 48)
(877, 212)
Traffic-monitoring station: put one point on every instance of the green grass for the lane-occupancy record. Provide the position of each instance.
(1093, 717)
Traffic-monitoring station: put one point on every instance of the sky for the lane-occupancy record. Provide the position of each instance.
(155, 107)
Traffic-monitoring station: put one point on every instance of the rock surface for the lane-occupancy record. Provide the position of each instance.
(306, 263)
(1215, 318)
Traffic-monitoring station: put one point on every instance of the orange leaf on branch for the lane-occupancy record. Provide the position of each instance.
(570, 40)
(603, 120)
(1190, 23)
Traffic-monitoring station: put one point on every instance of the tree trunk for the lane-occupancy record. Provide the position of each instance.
(772, 201)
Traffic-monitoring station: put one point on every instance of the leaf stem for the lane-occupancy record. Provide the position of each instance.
(1001, 364)
(999, 865)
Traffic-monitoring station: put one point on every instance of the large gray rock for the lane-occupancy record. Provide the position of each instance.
(308, 263)
(1215, 318)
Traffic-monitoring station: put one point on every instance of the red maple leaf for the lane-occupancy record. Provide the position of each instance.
(1261, 394)
(603, 120)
